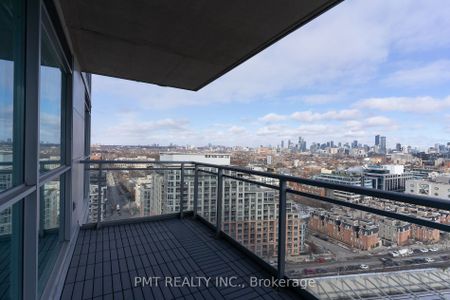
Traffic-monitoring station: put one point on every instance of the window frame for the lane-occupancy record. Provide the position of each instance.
(61, 173)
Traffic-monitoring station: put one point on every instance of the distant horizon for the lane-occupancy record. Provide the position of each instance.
(258, 146)
(392, 77)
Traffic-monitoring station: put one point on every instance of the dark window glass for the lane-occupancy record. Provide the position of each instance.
(50, 231)
(10, 247)
(11, 99)
(52, 89)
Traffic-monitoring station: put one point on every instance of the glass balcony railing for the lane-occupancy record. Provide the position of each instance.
(296, 228)
(127, 189)
(206, 189)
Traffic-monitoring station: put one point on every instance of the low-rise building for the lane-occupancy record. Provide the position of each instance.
(355, 233)
(426, 187)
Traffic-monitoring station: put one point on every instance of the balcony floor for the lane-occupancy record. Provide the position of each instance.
(106, 261)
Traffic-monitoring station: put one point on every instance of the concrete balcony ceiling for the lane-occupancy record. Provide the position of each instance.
(184, 44)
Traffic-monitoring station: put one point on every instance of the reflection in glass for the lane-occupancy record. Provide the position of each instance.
(10, 64)
(49, 228)
(51, 95)
(10, 239)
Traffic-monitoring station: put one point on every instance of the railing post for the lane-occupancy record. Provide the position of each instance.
(181, 190)
(282, 229)
(219, 202)
(195, 191)
(99, 197)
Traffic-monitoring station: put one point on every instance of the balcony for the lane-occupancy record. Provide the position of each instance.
(183, 240)
(84, 229)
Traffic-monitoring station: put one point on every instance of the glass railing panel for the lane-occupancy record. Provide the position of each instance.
(341, 243)
(97, 182)
(129, 190)
(207, 196)
(250, 216)
(138, 193)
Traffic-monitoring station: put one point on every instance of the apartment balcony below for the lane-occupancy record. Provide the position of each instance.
(107, 260)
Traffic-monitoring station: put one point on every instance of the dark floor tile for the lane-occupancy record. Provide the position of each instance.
(107, 261)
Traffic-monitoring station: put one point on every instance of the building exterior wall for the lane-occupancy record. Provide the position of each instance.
(355, 234)
(80, 94)
(425, 187)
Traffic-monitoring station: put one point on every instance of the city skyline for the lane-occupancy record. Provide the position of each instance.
(391, 78)
(379, 146)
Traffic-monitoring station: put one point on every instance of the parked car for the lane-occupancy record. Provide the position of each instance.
(429, 259)
(434, 249)
(391, 263)
(395, 254)
(320, 260)
(309, 271)
(364, 267)
(424, 250)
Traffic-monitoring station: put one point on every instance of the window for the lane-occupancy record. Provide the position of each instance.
(10, 236)
(11, 138)
(11, 100)
(50, 231)
(52, 151)
(52, 96)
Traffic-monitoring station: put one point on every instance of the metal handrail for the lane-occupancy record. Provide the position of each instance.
(431, 202)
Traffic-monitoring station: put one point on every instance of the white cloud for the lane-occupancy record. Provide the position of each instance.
(272, 117)
(369, 122)
(321, 98)
(134, 131)
(236, 130)
(276, 130)
(406, 104)
(378, 121)
(431, 73)
(310, 116)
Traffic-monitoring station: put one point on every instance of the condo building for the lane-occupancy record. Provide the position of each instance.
(347, 179)
(387, 177)
(149, 194)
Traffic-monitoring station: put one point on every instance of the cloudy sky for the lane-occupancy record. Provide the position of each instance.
(363, 68)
